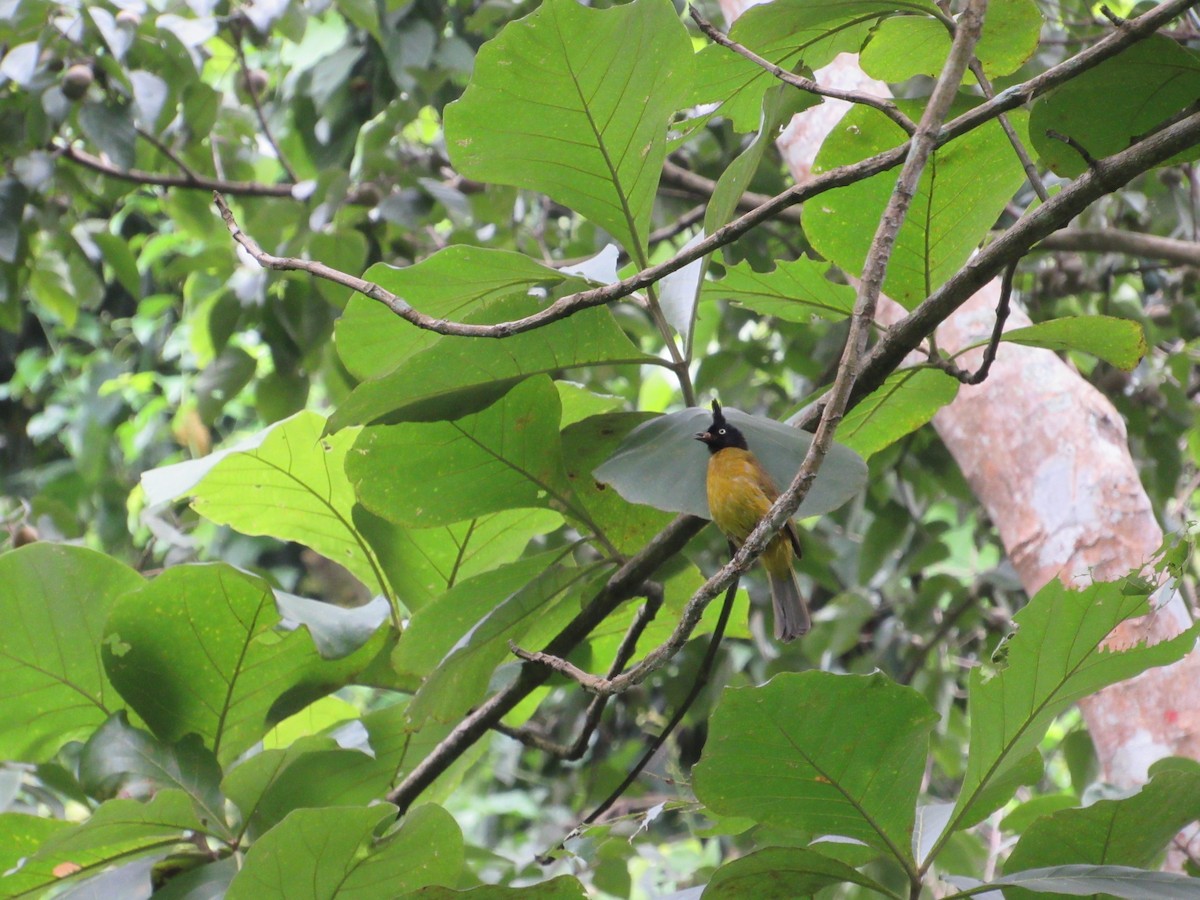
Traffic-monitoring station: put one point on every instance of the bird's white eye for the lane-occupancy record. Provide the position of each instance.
(720, 431)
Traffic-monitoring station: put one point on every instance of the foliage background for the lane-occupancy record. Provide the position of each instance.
(452, 476)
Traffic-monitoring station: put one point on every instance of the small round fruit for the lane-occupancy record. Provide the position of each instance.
(76, 80)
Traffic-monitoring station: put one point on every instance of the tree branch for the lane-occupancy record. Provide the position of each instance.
(887, 107)
(187, 180)
(1131, 243)
(1118, 169)
(253, 93)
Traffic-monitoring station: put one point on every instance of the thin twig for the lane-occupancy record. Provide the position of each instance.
(1074, 145)
(683, 223)
(701, 681)
(591, 720)
(697, 185)
(168, 153)
(989, 353)
(887, 107)
(1027, 163)
(258, 110)
(192, 180)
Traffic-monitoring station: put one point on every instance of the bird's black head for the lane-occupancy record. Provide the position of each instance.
(720, 433)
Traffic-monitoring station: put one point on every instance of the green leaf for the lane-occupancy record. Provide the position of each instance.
(110, 127)
(1132, 831)
(903, 403)
(906, 46)
(1010, 36)
(433, 632)
(660, 463)
(458, 375)
(564, 887)
(574, 102)
(789, 33)
(586, 445)
(827, 773)
(1119, 342)
(506, 456)
(118, 754)
(118, 255)
(197, 650)
(1114, 881)
(21, 836)
(293, 486)
(461, 678)
(1054, 659)
(117, 831)
(52, 686)
(962, 191)
(451, 284)
(779, 873)
(423, 563)
(794, 291)
(313, 773)
(1138, 89)
(320, 854)
(12, 211)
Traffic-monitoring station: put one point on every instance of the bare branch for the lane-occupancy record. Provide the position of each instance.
(1031, 171)
(989, 353)
(1114, 240)
(887, 107)
(252, 92)
(696, 184)
(192, 180)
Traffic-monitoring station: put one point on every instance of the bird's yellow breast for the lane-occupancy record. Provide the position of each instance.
(739, 492)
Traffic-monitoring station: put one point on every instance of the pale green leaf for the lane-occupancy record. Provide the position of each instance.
(1119, 342)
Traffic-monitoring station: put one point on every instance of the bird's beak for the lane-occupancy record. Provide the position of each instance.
(703, 436)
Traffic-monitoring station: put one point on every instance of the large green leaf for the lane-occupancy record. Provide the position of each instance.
(1138, 89)
(423, 563)
(451, 284)
(781, 873)
(574, 102)
(21, 836)
(905, 46)
(434, 631)
(1054, 659)
(311, 773)
(1133, 831)
(321, 854)
(660, 463)
(587, 444)
(1110, 881)
(117, 831)
(794, 291)
(903, 403)
(52, 686)
(1119, 342)
(293, 486)
(789, 33)
(962, 191)
(795, 753)
(436, 473)
(533, 611)
(198, 649)
(118, 756)
(461, 374)
(564, 887)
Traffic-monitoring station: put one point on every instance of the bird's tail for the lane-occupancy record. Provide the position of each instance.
(791, 612)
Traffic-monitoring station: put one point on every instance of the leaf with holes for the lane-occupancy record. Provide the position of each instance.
(198, 650)
(52, 686)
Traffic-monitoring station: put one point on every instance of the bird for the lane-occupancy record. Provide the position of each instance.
(740, 492)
